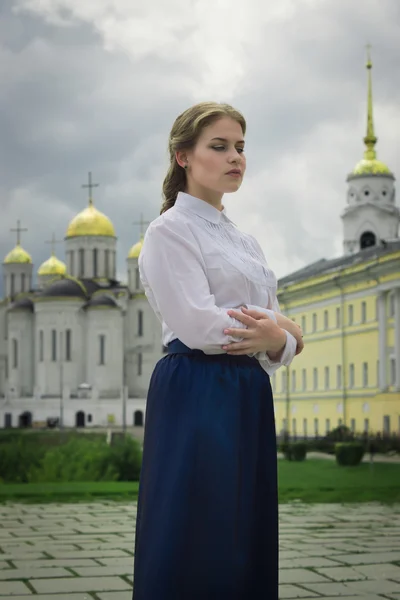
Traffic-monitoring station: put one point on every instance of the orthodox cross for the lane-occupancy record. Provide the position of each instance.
(18, 230)
(142, 224)
(90, 187)
(53, 243)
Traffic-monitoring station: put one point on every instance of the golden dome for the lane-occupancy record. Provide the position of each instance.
(136, 249)
(90, 222)
(18, 255)
(52, 266)
(371, 166)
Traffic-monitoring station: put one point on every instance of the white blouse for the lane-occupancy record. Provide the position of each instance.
(195, 265)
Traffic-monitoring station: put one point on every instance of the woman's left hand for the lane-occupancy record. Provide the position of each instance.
(262, 334)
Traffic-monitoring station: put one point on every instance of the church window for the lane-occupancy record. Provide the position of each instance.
(12, 284)
(15, 354)
(326, 320)
(366, 192)
(89, 418)
(315, 378)
(351, 314)
(140, 323)
(363, 312)
(95, 262)
(81, 262)
(53, 345)
(137, 275)
(365, 374)
(22, 282)
(102, 349)
(327, 383)
(304, 380)
(107, 262)
(314, 322)
(41, 345)
(68, 336)
(140, 363)
(384, 193)
(351, 375)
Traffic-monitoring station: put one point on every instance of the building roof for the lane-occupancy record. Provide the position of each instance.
(323, 266)
(23, 303)
(101, 300)
(64, 287)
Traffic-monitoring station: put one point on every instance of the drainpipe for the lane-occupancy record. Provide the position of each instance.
(343, 350)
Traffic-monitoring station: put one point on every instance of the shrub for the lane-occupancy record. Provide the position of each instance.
(296, 451)
(349, 453)
(17, 458)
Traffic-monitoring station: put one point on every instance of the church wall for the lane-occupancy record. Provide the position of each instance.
(3, 349)
(105, 358)
(88, 244)
(21, 356)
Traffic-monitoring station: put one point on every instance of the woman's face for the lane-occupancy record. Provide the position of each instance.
(217, 164)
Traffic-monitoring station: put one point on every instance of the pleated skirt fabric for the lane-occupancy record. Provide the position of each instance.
(207, 521)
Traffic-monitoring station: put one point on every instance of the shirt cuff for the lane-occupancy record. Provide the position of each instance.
(266, 311)
(288, 353)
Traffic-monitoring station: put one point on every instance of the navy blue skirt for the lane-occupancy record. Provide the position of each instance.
(207, 522)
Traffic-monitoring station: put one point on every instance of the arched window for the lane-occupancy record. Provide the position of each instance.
(367, 240)
(95, 262)
(107, 262)
(15, 354)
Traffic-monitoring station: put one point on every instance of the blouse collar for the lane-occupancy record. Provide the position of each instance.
(201, 208)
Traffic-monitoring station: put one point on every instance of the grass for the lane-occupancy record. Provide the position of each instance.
(313, 481)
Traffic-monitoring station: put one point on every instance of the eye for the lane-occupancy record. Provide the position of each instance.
(218, 148)
(240, 150)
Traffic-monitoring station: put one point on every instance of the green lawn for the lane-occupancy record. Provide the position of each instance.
(309, 481)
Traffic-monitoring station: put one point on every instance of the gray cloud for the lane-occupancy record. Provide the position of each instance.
(90, 90)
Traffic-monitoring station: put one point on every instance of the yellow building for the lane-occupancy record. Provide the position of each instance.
(349, 310)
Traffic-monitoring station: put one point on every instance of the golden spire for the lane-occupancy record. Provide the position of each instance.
(90, 187)
(370, 139)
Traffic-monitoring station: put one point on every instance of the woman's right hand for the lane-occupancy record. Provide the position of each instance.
(292, 328)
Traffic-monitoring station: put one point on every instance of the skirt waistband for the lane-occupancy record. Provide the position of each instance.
(178, 347)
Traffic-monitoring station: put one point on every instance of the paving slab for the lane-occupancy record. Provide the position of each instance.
(79, 584)
(12, 588)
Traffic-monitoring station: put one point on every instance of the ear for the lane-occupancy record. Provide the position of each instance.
(181, 158)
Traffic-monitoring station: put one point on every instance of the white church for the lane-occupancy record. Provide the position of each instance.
(78, 349)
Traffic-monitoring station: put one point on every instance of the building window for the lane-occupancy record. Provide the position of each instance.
(294, 427)
(304, 380)
(12, 284)
(107, 262)
(89, 418)
(392, 371)
(71, 263)
(95, 262)
(366, 425)
(68, 336)
(338, 323)
(316, 426)
(314, 322)
(365, 374)
(81, 262)
(303, 324)
(353, 425)
(15, 354)
(391, 305)
(284, 376)
(327, 383)
(386, 424)
(53, 345)
(305, 427)
(22, 282)
(293, 381)
(363, 312)
(315, 378)
(139, 363)
(137, 278)
(41, 345)
(351, 314)
(339, 376)
(326, 320)
(327, 425)
(140, 322)
(351, 376)
(102, 349)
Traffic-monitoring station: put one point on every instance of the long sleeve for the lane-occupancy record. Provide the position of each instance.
(173, 275)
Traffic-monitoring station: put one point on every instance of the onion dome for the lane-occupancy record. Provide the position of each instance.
(101, 301)
(136, 249)
(18, 256)
(23, 303)
(64, 288)
(52, 266)
(370, 165)
(90, 222)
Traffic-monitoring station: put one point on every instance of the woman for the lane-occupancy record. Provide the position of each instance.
(207, 523)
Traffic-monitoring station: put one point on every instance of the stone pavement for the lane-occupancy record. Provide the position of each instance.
(85, 551)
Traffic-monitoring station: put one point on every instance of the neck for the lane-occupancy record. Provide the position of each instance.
(210, 196)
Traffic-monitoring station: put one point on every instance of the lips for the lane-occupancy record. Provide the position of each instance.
(234, 172)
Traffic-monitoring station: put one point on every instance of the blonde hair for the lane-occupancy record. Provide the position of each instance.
(184, 135)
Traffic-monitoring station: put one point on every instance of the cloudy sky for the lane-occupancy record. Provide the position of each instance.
(96, 85)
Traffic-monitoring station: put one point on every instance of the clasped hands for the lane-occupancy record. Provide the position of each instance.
(262, 333)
